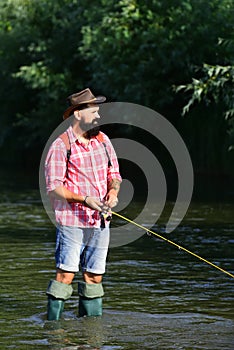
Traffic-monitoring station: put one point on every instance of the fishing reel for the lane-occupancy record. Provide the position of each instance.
(105, 215)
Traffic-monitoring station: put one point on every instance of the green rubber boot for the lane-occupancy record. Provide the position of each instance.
(54, 308)
(90, 302)
(90, 307)
(57, 294)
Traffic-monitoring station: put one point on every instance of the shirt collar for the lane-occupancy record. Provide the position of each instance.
(74, 139)
(71, 135)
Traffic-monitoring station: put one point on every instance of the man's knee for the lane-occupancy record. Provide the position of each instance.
(64, 276)
(90, 277)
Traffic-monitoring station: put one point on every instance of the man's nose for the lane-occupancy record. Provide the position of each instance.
(97, 115)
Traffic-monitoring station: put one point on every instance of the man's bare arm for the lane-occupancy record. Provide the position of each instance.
(112, 195)
(114, 186)
(63, 193)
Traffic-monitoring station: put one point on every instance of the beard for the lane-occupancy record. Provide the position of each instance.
(90, 129)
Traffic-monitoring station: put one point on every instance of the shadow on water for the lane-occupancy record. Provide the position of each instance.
(156, 296)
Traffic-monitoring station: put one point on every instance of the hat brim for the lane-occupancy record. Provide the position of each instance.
(96, 100)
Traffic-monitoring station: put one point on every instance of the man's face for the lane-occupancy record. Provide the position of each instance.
(89, 120)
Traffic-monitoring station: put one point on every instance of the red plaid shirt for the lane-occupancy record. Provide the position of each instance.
(88, 175)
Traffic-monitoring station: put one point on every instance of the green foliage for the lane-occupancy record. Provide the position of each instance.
(217, 84)
(139, 49)
(214, 86)
(38, 59)
(128, 50)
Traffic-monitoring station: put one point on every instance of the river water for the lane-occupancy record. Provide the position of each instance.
(156, 296)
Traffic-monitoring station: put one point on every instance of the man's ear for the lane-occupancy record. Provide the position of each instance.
(77, 115)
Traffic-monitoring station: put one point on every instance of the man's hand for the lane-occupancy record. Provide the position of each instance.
(111, 200)
(93, 203)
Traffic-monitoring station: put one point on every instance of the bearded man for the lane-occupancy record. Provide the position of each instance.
(83, 181)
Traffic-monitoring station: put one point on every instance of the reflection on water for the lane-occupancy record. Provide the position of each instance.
(129, 330)
(157, 297)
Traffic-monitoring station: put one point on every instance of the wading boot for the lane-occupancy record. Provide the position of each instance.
(54, 308)
(90, 301)
(57, 293)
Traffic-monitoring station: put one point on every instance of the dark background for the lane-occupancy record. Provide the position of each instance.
(175, 57)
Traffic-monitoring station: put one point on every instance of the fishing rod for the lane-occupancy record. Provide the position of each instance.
(171, 242)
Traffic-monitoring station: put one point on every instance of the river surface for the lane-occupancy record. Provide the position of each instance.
(156, 296)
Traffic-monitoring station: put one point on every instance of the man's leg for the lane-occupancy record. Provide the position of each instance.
(93, 262)
(90, 293)
(67, 256)
(58, 291)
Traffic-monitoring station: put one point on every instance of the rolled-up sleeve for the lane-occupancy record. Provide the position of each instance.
(113, 170)
(55, 165)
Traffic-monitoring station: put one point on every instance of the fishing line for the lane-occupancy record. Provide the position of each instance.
(173, 243)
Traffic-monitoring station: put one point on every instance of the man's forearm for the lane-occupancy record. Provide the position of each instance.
(114, 186)
(64, 194)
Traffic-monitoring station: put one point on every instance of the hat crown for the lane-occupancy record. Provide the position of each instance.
(81, 97)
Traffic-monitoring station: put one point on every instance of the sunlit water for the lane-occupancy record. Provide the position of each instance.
(156, 296)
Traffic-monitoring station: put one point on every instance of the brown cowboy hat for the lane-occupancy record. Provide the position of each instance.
(80, 98)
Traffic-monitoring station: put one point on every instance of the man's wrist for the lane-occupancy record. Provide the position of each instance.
(77, 198)
(84, 200)
(113, 191)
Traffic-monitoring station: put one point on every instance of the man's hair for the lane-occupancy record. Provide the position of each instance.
(83, 106)
(79, 108)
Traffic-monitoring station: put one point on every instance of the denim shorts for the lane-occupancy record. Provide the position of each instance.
(81, 247)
